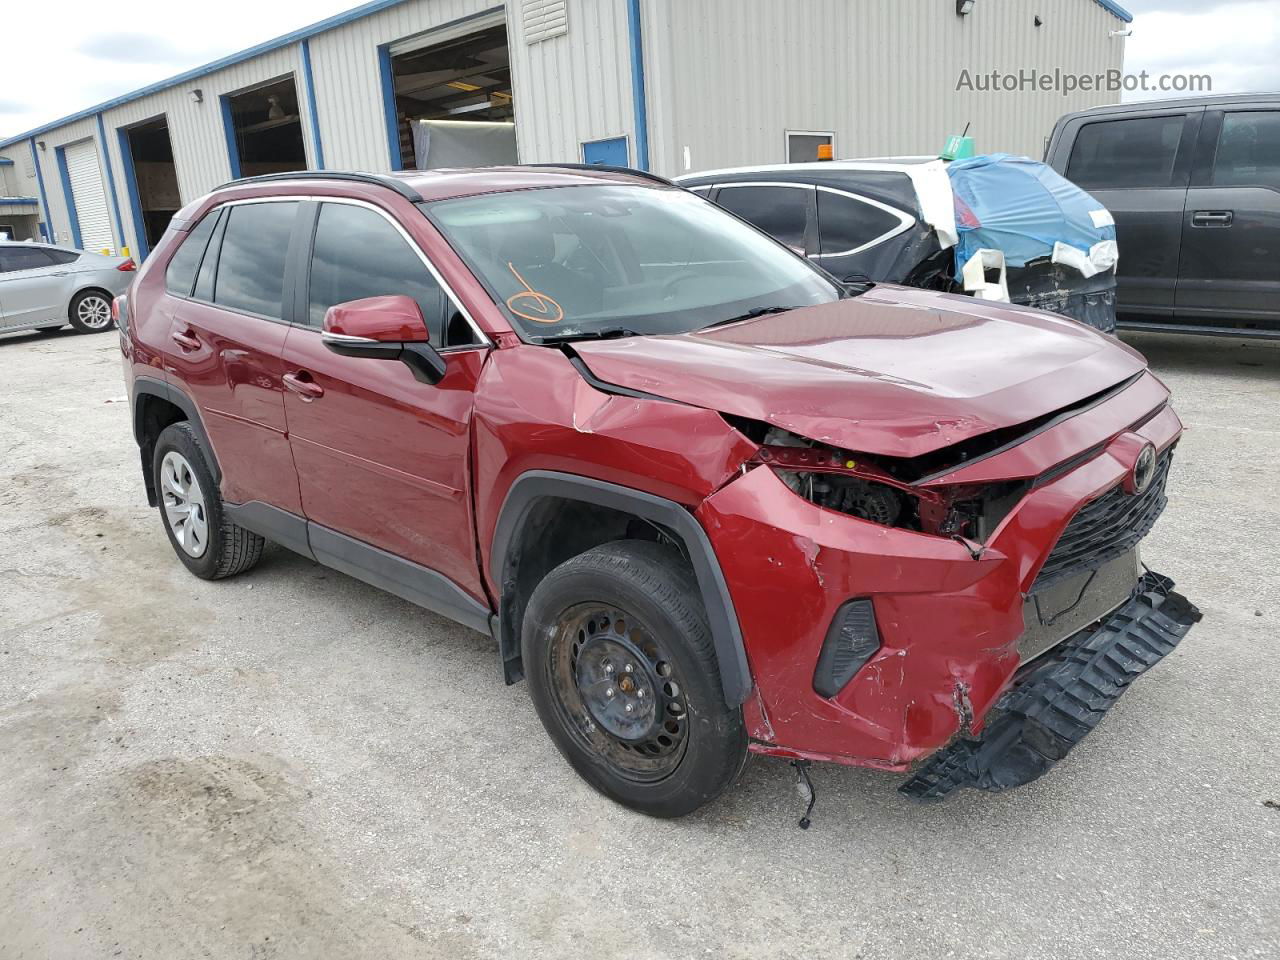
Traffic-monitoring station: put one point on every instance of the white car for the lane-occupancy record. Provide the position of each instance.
(45, 287)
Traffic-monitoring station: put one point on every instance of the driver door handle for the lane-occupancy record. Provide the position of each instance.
(1212, 218)
(302, 384)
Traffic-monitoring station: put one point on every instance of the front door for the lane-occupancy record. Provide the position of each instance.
(1231, 229)
(29, 291)
(383, 458)
(225, 350)
(1137, 167)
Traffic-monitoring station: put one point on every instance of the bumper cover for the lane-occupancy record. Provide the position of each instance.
(1037, 722)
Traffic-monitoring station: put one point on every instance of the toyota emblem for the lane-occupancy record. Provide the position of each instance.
(1144, 470)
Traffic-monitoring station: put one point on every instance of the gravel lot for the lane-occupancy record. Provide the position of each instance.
(294, 764)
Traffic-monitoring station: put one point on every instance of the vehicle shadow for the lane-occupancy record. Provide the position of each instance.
(37, 336)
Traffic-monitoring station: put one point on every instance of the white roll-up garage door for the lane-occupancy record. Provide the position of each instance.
(90, 199)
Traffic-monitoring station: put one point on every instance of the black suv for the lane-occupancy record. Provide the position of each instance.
(1194, 186)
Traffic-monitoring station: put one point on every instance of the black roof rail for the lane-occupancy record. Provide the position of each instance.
(608, 168)
(377, 179)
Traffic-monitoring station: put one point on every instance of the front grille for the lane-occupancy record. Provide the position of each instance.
(1105, 528)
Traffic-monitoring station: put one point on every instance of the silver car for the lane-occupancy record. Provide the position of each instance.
(43, 286)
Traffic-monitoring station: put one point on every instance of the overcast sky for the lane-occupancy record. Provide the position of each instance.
(61, 56)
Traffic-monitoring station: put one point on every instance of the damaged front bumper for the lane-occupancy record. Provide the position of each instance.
(1055, 705)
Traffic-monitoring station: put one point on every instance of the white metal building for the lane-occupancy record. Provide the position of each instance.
(670, 85)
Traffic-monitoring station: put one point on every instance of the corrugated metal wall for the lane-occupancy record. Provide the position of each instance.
(728, 77)
(575, 87)
(725, 78)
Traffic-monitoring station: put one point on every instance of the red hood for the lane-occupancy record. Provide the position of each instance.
(897, 371)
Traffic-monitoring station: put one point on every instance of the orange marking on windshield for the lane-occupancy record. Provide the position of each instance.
(547, 310)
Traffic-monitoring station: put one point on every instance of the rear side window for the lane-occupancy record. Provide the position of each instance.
(358, 254)
(62, 256)
(846, 223)
(780, 212)
(251, 265)
(1248, 150)
(23, 258)
(181, 272)
(209, 265)
(1126, 153)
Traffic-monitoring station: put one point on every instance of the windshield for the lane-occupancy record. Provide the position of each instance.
(614, 259)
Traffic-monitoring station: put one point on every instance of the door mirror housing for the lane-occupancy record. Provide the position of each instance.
(384, 328)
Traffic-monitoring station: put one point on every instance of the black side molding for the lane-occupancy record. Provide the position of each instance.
(529, 488)
(144, 386)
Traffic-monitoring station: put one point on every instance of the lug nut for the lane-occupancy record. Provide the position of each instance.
(629, 708)
(608, 667)
(608, 692)
(640, 692)
(630, 667)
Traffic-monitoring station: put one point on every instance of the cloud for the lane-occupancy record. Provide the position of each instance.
(135, 48)
(1234, 43)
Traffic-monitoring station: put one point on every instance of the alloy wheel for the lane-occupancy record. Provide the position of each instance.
(94, 312)
(184, 504)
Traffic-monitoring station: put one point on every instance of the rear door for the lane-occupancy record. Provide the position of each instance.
(382, 458)
(1230, 267)
(1138, 166)
(226, 339)
(31, 286)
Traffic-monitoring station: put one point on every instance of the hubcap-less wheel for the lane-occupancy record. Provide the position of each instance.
(94, 312)
(620, 691)
(184, 506)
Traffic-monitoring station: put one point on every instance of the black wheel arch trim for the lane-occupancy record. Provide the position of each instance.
(154, 387)
(536, 485)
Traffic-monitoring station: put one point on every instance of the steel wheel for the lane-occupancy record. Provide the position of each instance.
(619, 691)
(94, 311)
(184, 504)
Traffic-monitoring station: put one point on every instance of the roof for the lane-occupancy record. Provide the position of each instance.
(1181, 103)
(1115, 8)
(446, 184)
(285, 40)
(882, 164)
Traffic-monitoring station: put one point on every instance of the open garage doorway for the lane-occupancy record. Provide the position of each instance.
(264, 129)
(152, 179)
(450, 92)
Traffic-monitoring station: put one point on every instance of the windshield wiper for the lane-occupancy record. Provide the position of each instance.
(750, 315)
(608, 333)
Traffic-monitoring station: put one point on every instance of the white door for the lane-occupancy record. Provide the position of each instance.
(89, 197)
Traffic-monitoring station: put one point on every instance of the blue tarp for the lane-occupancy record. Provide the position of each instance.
(1021, 207)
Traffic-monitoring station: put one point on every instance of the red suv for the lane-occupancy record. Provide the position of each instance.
(706, 499)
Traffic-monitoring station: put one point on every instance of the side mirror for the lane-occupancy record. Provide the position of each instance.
(384, 328)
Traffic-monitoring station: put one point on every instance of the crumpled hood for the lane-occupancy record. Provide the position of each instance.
(897, 371)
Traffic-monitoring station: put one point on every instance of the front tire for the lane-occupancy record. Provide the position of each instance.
(90, 311)
(208, 544)
(623, 674)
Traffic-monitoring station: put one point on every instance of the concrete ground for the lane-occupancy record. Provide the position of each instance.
(293, 764)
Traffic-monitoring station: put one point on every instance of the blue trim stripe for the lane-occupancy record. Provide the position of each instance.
(229, 129)
(68, 197)
(47, 227)
(1112, 7)
(18, 201)
(140, 250)
(5, 162)
(338, 20)
(389, 106)
(639, 104)
(308, 84)
(111, 182)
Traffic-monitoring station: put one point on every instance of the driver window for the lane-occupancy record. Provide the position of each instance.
(358, 253)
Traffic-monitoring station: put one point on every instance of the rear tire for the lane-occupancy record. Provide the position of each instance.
(660, 739)
(209, 544)
(90, 311)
